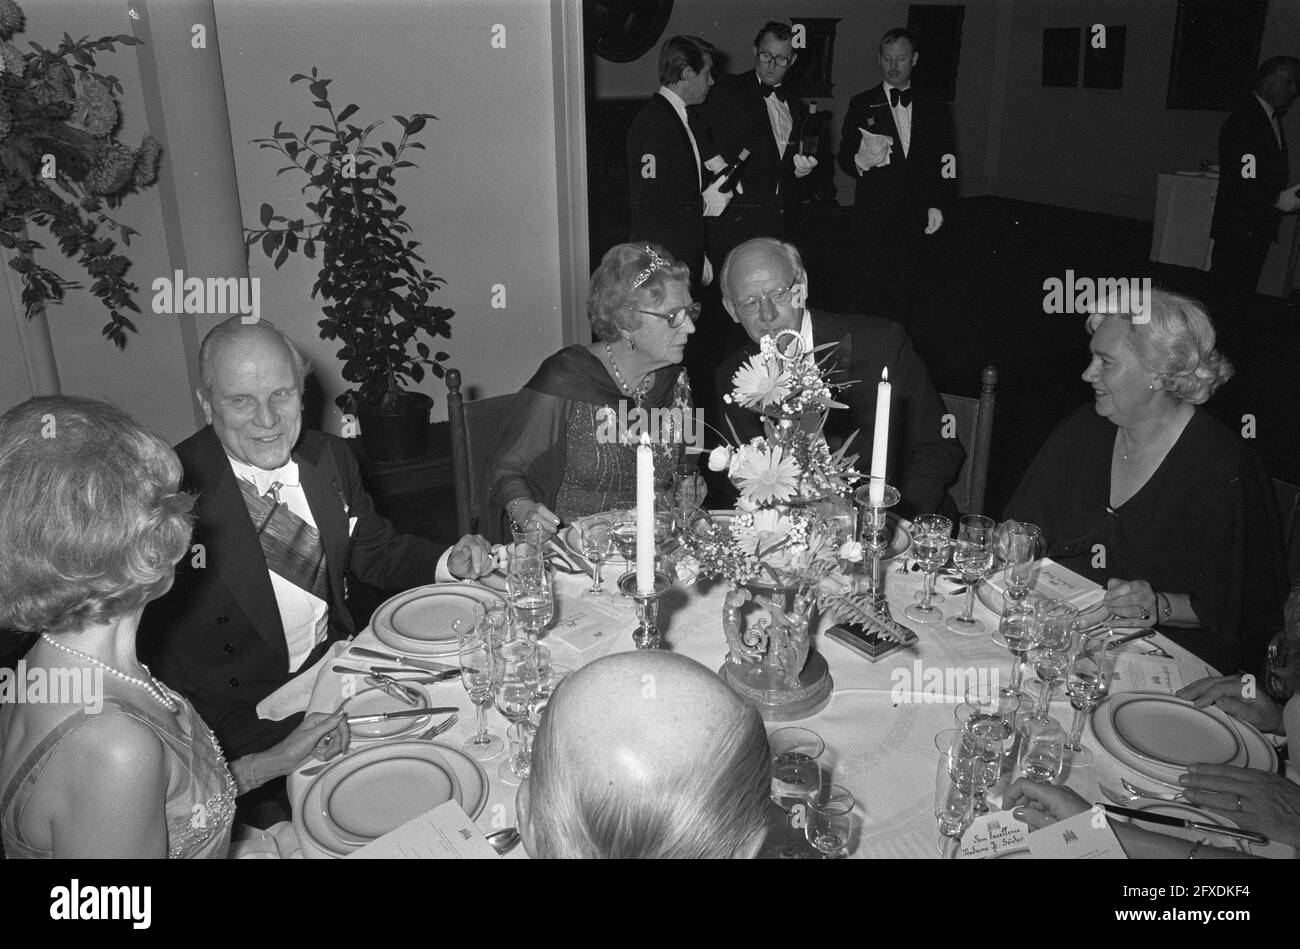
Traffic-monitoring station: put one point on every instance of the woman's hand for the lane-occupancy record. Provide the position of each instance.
(320, 735)
(1133, 601)
(528, 513)
(1039, 805)
(1256, 800)
(1228, 693)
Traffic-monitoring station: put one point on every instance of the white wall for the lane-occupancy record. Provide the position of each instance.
(483, 200)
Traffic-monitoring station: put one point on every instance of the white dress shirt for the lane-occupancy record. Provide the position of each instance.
(778, 114)
(679, 107)
(305, 617)
(902, 117)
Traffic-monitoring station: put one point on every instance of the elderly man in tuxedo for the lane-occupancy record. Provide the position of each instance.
(896, 144)
(666, 153)
(764, 287)
(646, 755)
(281, 517)
(754, 111)
(1253, 193)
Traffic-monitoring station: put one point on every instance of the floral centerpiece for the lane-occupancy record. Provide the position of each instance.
(789, 547)
(62, 165)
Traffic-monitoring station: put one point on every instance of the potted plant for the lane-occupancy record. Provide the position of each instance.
(61, 165)
(375, 287)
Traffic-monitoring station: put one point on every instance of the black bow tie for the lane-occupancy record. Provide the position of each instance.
(773, 90)
(900, 95)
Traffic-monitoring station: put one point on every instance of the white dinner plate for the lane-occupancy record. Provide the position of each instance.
(368, 798)
(1259, 754)
(373, 701)
(1169, 731)
(419, 622)
(310, 818)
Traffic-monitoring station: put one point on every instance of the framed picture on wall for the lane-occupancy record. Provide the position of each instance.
(1061, 57)
(810, 76)
(1216, 50)
(938, 38)
(1103, 57)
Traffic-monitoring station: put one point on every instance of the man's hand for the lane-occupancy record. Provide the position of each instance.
(1132, 601)
(874, 151)
(1039, 805)
(715, 202)
(803, 165)
(471, 558)
(1255, 800)
(1288, 200)
(1226, 692)
(706, 277)
(933, 220)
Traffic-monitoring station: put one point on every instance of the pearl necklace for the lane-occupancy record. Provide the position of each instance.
(639, 393)
(153, 686)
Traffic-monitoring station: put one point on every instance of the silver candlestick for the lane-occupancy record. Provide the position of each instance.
(646, 635)
(872, 529)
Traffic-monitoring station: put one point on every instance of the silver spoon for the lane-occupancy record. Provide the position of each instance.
(504, 841)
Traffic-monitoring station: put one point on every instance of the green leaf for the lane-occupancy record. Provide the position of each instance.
(416, 125)
(267, 213)
(343, 116)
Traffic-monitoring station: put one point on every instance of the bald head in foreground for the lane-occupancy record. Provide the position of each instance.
(646, 755)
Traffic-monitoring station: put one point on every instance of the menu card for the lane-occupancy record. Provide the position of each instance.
(1081, 837)
(444, 833)
(1057, 581)
(991, 834)
(587, 624)
(1135, 672)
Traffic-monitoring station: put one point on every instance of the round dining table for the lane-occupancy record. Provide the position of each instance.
(879, 725)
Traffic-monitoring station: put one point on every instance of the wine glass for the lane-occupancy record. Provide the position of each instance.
(475, 656)
(954, 805)
(1087, 680)
(532, 599)
(828, 821)
(524, 555)
(796, 776)
(985, 703)
(623, 531)
(973, 556)
(931, 545)
(514, 680)
(595, 539)
(1042, 750)
(492, 620)
(549, 676)
(1021, 544)
(1054, 624)
(981, 740)
(1015, 633)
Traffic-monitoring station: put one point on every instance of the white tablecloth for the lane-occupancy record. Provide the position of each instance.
(880, 749)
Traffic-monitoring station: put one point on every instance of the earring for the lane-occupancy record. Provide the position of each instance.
(631, 344)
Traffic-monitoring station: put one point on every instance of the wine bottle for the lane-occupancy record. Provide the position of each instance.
(730, 175)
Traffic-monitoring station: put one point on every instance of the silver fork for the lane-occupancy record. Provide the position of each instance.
(901, 569)
(427, 735)
(1117, 797)
(1154, 795)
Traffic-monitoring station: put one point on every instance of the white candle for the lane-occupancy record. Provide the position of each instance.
(645, 517)
(880, 445)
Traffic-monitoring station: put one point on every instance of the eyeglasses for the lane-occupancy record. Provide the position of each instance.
(677, 317)
(765, 57)
(776, 297)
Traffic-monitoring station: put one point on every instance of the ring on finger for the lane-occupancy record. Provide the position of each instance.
(1146, 614)
(1239, 805)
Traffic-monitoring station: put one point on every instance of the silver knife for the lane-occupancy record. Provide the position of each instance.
(1168, 821)
(573, 556)
(427, 664)
(403, 713)
(415, 675)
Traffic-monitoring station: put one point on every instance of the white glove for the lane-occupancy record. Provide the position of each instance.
(715, 202)
(803, 165)
(706, 278)
(874, 151)
(1288, 200)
